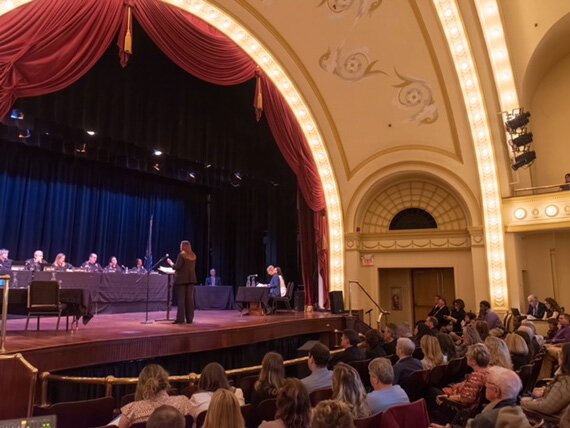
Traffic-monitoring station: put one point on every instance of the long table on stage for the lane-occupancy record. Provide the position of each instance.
(254, 298)
(219, 297)
(109, 292)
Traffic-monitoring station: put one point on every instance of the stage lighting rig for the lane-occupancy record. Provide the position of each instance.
(519, 138)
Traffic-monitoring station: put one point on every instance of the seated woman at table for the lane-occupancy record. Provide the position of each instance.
(139, 268)
(60, 265)
(113, 266)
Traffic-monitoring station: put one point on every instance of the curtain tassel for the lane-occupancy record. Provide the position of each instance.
(258, 101)
(129, 34)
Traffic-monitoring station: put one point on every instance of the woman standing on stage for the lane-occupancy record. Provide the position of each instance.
(184, 281)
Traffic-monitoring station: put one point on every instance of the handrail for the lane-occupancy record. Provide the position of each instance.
(555, 188)
(110, 381)
(380, 308)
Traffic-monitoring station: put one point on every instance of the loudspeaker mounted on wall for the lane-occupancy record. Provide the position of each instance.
(337, 302)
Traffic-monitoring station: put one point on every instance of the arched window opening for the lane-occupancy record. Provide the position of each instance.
(413, 218)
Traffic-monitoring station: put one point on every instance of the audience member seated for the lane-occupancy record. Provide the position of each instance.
(390, 339)
(554, 398)
(332, 414)
(166, 417)
(518, 349)
(536, 309)
(406, 364)
(499, 353)
(486, 314)
(433, 324)
(151, 393)
(470, 337)
(373, 341)
(432, 352)
(212, 378)
(467, 391)
(456, 316)
(349, 341)
(224, 411)
(482, 328)
(293, 407)
(385, 394)
(553, 309)
(348, 388)
(501, 389)
(420, 331)
(5, 262)
(470, 318)
(563, 334)
(552, 329)
(529, 329)
(271, 378)
(447, 347)
(440, 312)
(321, 376)
(404, 330)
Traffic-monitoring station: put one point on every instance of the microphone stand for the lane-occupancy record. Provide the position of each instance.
(146, 320)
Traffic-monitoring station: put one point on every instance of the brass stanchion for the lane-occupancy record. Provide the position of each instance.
(5, 281)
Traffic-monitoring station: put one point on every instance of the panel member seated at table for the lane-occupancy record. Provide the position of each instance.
(213, 279)
(91, 265)
(60, 265)
(274, 286)
(5, 262)
(139, 268)
(113, 266)
(37, 263)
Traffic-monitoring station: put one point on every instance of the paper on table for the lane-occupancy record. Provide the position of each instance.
(167, 270)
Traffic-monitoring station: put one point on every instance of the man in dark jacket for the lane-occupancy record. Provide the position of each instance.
(349, 341)
(536, 309)
(406, 364)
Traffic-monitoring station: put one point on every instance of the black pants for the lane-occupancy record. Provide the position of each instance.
(185, 296)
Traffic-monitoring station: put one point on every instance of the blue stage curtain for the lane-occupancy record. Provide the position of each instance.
(60, 204)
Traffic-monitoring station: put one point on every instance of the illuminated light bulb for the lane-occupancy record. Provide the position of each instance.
(197, 6)
(226, 23)
(285, 85)
(303, 113)
(212, 14)
(494, 238)
(254, 47)
(265, 59)
(314, 141)
(459, 48)
(469, 83)
(484, 151)
(448, 13)
(240, 35)
(551, 210)
(326, 173)
(464, 66)
(473, 100)
(490, 9)
(309, 127)
(520, 213)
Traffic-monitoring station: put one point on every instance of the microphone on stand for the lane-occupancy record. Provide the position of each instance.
(253, 275)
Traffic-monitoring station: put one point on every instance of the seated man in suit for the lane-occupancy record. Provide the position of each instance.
(91, 265)
(406, 364)
(349, 341)
(213, 279)
(536, 309)
(5, 262)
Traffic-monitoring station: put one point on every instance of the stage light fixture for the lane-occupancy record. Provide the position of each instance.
(81, 148)
(156, 167)
(24, 133)
(17, 114)
(237, 175)
(157, 152)
(517, 120)
(525, 159)
(522, 140)
(90, 133)
(192, 175)
(208, 165)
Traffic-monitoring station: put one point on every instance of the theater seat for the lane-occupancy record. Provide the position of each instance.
(189, 422)
(373, 421)
(319, 395)
(80, 414)
(411, 415)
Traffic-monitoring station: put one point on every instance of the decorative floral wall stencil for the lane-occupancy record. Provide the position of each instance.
(365, 7)
(353, 66)
(416, 94)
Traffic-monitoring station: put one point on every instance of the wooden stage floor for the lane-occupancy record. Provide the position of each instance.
(123, 337)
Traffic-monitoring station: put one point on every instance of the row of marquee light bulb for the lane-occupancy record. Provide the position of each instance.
(550, 211)
(285, 86)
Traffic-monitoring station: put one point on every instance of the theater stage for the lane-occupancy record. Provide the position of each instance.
(122, 337)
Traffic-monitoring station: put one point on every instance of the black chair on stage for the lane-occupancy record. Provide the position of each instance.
(43, 301)
(286, 299)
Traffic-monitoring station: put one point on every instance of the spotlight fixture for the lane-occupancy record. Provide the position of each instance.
(157, 152)
(17, 114)
(24, 133)
(156, 167)
(526, 159)
(208, 165)
(237, 175)
(517, 119)
(81, 148)
(90, 133)
(192, 175)
(522, 140)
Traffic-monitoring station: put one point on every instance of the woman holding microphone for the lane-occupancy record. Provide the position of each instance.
(184, 281)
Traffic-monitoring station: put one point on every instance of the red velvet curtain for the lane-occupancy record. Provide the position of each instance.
(47, 45)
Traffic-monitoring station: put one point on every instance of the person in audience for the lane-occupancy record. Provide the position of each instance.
(467, 391)
(406, 364)
(552, 329)
(497, 332)
(518, 349)
(321, 376)
(373, 342)
(433, 324)
(536, 309)
(486, 314)
(348, 388)
(432, 352)
(563, 334)
(151, 393)
(212, 378)
(420, 331)
(271, 378)
(482, 328)
(113, 266)
(282, 285)
(91, 264)
(332, 414)
(385, 394)
(36, 263)
(224, 411)
(5, 262)
(166, 416)
(501, 389)
(404, 330)
(470, 318)
(212, 279)
(440, 314)
(566, 180)
(499, 352)
(60, 265)
(447, 347)
(349, 342)
(293, 407)
(553, 309)
(553, 399)
(139, 267)
(529, 330)
(390, 339)
(456, 316)
(435, 308)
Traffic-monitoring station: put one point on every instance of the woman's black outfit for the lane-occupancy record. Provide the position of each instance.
(459, 316)
(184, 281)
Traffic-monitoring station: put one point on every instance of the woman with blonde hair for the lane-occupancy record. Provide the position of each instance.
(432, 352)
(348, 388)
(224, 411)
(293, 406)
(500, 356)
(470, 337)
(519, 350)
(212, 379)
(184, 281)
(151, 393)
(271, 378)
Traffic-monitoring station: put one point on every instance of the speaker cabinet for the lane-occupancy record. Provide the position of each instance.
(337, 302)
(300, 300)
